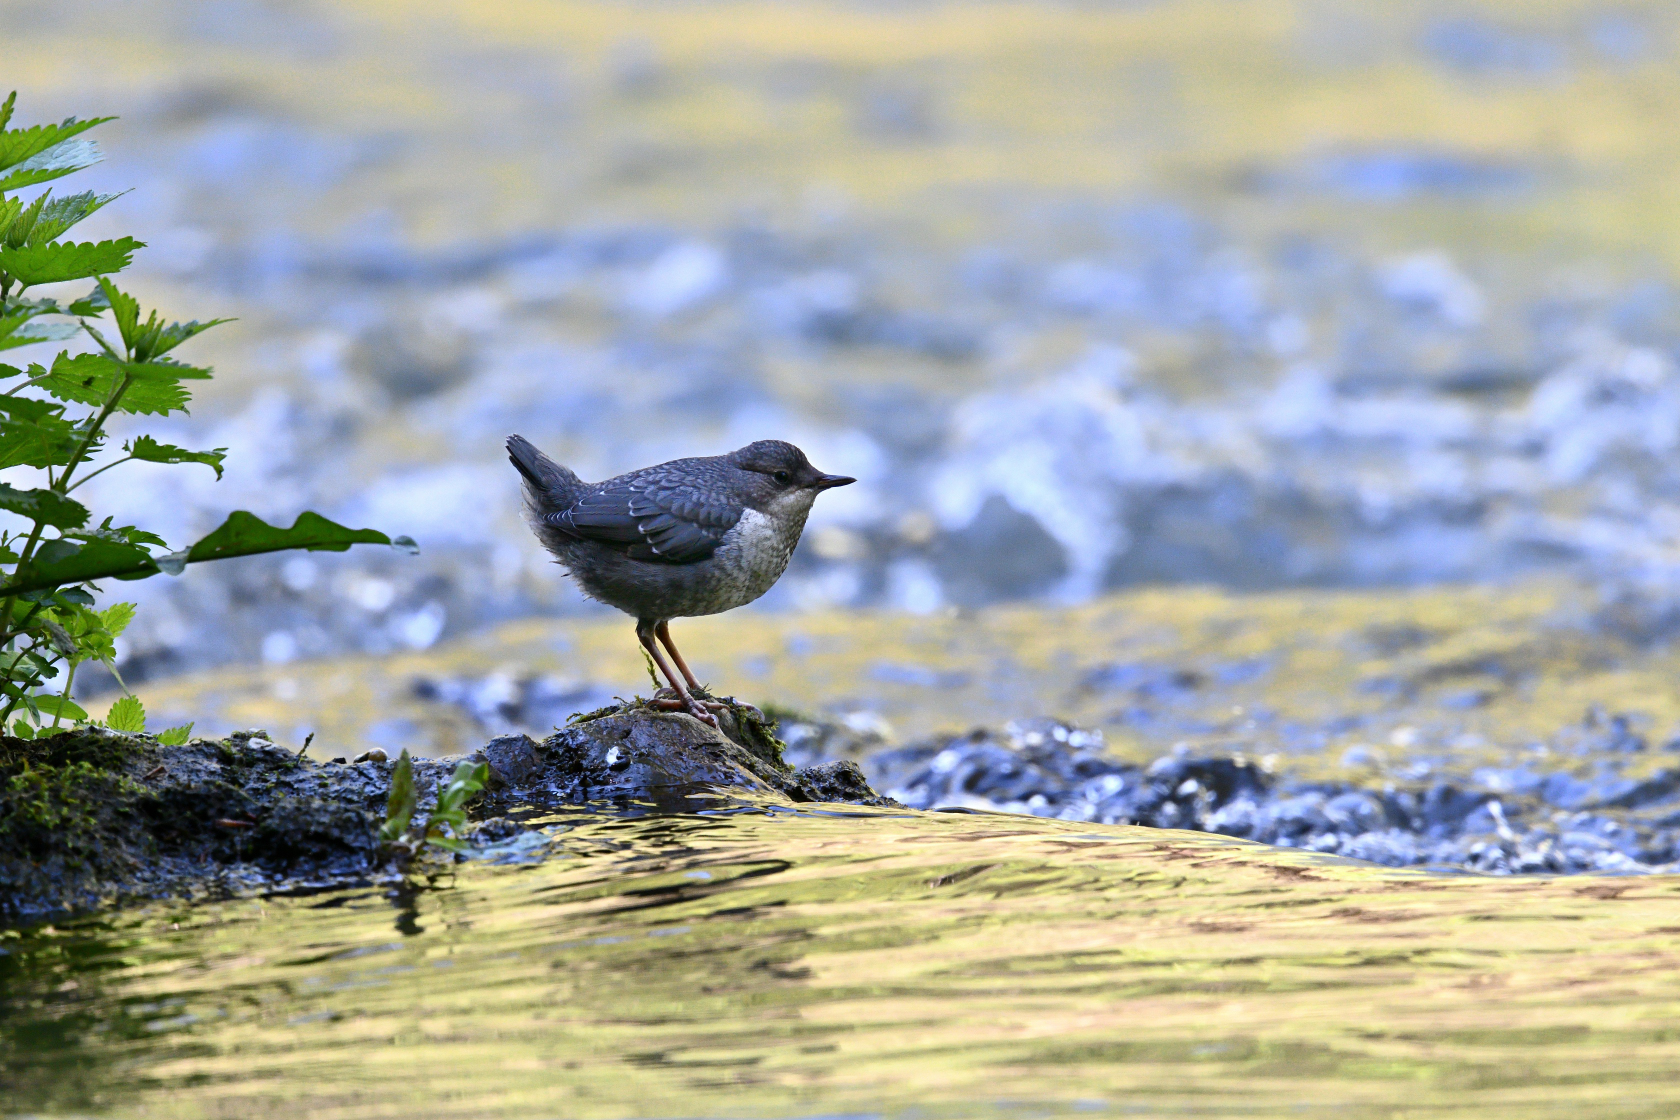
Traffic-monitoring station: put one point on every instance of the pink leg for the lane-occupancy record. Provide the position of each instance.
(683, 702)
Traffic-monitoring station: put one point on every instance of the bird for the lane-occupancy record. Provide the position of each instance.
(685, 538)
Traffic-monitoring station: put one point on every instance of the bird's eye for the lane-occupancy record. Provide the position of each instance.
(781, 476)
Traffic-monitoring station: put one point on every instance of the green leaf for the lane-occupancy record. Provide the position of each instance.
(116, 617)
(33, 434)
(60, 638)
(54, 163)
(400, 806)
(16, 331)
(149, 450)
(62, 561)
(65, 562)
(125, 309)
(122, 534)
(21, 144)
(28, 408)
(45, 506)
(152, 338)
(163, 370)
(91, 304)
(59, 706)
(22, 729)
(20, 220)
(127, 714)
(92, 378)
(176, 333)
(17, 328)
(6, 109)
(468, 779)
(245, 534)
(60, 260)
(60, 214)
(175, 736)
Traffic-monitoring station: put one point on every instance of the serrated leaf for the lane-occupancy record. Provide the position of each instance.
(54, 163)
(32, 434)
(23, 729)
(20, 144)
(60, 638)
(116, 617)
(45, 506)
(91, 379)
(122, 534)
(148, 450)
(128, 715)
(176, 333)
(20, 221)
(245, 534)
(29, 408)
(6, 109)
(67, 260)
(166, 369)
(125, 309)
(17, 330)
(175, 736)
(91, 304)
(60, 214)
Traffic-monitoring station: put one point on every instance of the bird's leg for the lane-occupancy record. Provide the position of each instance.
(662, 631)
(683, 701)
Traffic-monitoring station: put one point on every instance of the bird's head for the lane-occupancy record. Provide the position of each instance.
(784, 475)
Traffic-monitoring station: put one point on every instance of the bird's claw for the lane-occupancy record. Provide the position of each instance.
(688, 704)
(704, 713)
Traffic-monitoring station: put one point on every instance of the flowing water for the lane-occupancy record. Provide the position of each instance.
(762, 962)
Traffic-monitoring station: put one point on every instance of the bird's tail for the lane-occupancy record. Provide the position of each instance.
(549, 487)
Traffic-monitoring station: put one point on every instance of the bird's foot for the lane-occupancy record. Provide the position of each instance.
(666, 701)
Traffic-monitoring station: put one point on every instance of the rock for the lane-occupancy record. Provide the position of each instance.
(834, 781)
(90, 816)
(513, 760)
(656, 756)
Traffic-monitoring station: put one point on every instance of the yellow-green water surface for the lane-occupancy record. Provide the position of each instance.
(864, 963)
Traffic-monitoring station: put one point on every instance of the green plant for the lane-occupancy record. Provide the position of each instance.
(53, 421)
(445, 826)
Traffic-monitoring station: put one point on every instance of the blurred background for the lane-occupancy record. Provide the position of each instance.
(1278, 297)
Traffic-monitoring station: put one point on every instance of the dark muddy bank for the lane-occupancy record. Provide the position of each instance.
(93, 816)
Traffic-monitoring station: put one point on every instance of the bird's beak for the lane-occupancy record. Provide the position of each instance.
(830, 481)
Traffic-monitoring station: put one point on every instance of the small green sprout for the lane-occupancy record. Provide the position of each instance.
(445, 826)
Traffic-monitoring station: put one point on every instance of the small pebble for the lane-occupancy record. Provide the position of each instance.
(374, 755)
(337, 760)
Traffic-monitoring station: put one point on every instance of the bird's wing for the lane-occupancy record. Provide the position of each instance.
(650, 518)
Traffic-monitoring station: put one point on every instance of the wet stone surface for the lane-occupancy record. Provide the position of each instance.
(92, 816)
(1498, 820)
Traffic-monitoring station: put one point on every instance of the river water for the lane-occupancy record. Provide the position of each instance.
(760, 962)
(1090, 298)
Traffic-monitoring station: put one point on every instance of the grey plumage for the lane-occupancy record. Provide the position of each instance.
(688, 537)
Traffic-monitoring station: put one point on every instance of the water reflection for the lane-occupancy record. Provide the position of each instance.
(797, 964)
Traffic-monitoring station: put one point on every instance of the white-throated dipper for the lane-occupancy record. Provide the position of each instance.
(688, 537)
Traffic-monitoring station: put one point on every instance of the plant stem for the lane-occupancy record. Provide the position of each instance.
(64, 478)
(93, 432)
(14, 701)
(90, 477)
(69, 680)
